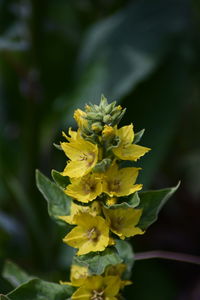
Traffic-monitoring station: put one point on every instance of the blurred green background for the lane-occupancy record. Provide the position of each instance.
(56, 56)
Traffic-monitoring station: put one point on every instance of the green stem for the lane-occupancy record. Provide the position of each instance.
(168, 255)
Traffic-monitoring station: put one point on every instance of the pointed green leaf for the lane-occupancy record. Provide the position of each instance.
(134, 200)
(151, 202)
(138, 136)
(14, 274)
(61, 181)
(37, 289)
(58, 202)
(97, 263)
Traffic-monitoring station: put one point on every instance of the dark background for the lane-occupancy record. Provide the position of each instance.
(58, 55)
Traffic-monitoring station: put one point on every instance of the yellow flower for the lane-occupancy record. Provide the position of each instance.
(78, 274)
(76, 209)
(118, 270)
(115, 270)
(86, 188)
(126, 150)
(91, 234)
(122, 221)
(120, 182)
(108, 132)
(111, 201)
(83, 157)
(98, 288)
(79, 116)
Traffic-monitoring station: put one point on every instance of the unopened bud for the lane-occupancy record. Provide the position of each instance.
(107, 119)
(97, 127)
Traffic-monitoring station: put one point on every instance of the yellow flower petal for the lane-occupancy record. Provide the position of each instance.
(83, 156)
(81, 294)
(78, 274)
(76, 238)
(91, 234)
(72, 135)
(113, 285)
(94, 209)
(86, 188)
(126, 150)
(115, 270)
(126, 134)
(79, 116)
(122, 221)
(120, 182)
(108, 132)
(97, 287)
(130, 152)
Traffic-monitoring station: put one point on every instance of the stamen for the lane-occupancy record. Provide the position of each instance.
(97, 295)
(93, 234)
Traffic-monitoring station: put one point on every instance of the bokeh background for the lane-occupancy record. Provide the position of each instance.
(56, 56)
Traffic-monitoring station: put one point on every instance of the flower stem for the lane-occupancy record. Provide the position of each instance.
(168, 255)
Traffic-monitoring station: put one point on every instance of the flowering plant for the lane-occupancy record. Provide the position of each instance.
(99, 204)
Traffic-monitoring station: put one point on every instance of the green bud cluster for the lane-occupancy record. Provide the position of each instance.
(103, 114)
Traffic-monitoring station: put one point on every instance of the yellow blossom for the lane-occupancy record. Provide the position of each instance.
(108, 132)
(98, 288)
(91, 234)
(122, 221)
(120, 182)
(111, 201)
(118, 270)
(79, 116)
(78, 274)
(86, 188)
(126, 150)
(94, 209)
(83, 157)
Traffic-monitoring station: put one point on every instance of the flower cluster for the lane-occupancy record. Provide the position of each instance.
(102, 173)
(97, 287)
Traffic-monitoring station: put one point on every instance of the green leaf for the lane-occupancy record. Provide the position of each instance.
(3, 297)
(37, 289)
(138, 136)
(14, 274)
(97, 263)
(58, 202)
(151, 202)
(133, 200)
(61, 181)
(125, 252)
